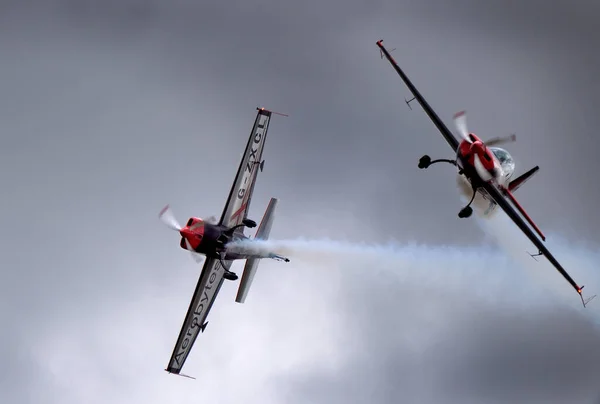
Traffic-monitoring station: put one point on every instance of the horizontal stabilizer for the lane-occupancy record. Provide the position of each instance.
(517, 182)
(264, 229)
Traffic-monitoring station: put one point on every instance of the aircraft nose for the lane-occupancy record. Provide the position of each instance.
(189, 239)
(477, 147)
(186, 233)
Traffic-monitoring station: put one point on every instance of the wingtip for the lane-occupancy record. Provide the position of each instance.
(584, 301)
(180, 374)
(272, 112)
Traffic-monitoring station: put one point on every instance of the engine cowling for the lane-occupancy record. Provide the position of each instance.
(193, 232)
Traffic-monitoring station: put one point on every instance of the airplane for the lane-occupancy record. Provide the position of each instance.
(484, 172)
(218, 244)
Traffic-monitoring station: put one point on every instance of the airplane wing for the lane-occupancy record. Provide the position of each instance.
(211, 279)
(452, 141)
(496, 194)
(238, 201)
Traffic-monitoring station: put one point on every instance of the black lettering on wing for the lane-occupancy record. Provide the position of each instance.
(253, 154)
(178, 357)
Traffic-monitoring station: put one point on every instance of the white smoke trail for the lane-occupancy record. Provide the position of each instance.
(411, 264)
(486, 272)
(506, 235)
(580, 263)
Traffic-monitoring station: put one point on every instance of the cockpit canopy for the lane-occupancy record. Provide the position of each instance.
(505, 159)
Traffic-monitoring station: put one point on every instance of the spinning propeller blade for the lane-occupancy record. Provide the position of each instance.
(460, 120)
(481, 171)
(197, 257)
(501, 140)
(167, 217)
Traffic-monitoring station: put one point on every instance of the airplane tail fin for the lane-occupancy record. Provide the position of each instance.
(264, 229)
(517, 182)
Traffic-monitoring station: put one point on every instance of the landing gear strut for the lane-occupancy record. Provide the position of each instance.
(230, 276)
(426, 161)
(224, 239)
(468, 210)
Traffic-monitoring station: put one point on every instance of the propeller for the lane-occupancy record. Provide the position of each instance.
(168, 218)
(460, 120)
(481, 171)
(195, 256)
(501, 140)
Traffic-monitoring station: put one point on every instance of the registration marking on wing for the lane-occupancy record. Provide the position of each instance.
(197, 312)
(240, 202)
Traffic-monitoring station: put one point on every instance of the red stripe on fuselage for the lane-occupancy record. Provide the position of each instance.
(240, 210)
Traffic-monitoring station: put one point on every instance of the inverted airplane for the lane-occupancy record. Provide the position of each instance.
(220, 243)
(484, 172)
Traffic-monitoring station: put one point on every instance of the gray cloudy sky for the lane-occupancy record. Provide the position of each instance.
(111, 109)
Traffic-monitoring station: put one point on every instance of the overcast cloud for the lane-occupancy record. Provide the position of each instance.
(111, 109)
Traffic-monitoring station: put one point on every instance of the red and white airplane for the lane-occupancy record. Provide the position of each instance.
(220, 243)
(484, 173)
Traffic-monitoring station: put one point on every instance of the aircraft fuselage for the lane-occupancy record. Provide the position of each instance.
(496, 161)
(210, 239)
